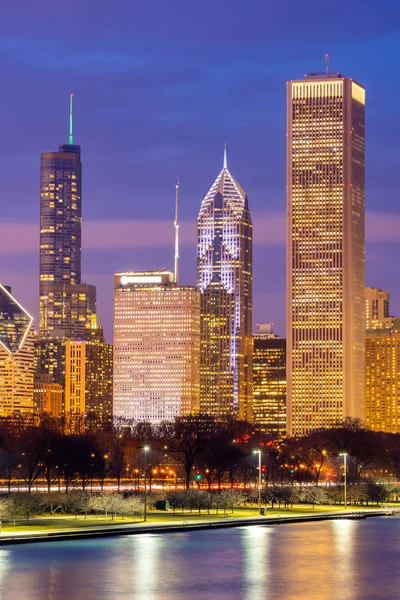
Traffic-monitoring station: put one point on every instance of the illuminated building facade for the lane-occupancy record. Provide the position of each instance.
(377, 308)
(75, 378)
(224, 262)
(66, 305)
(50, 359)
(216, 377)
(67, 309)
(269, 383)
(325, 252)
(156, 347)
(48, 396)
(99, 376)
(16, 356)
(382, 374)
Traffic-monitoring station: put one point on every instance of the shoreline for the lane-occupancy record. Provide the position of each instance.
(144, 528)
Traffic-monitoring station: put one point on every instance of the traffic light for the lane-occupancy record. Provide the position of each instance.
(198, 476)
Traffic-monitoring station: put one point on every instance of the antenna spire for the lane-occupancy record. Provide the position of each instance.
(225, 158)
(176, 225)
(327, 64)
(71, 137)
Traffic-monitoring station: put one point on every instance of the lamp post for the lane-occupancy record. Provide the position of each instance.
(345, 455)
(145, 450)
(259, 477)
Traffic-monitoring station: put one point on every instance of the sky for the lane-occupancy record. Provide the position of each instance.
(159, 87)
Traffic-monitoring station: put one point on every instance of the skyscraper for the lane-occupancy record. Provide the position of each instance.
(377, 307)
(382, 368)
(16, 356)
(88, 376)
(66, 306)
(269, 380)
(156, 347)
(325, 251)
(224, 277)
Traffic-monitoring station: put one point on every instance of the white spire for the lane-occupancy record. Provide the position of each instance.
(176, 224)
(225, 159)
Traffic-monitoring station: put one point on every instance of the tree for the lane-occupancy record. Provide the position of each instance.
(314, 495)
(79, 502)
(132, 505)
(187, 437)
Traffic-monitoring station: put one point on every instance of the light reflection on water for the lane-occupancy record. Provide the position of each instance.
(345, 560)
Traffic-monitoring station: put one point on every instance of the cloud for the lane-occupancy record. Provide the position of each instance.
(269, 230)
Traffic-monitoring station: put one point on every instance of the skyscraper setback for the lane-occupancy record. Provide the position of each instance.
(224, 277)
(325, 252)
(66, 305)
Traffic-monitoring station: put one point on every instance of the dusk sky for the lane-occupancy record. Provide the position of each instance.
(159, 87)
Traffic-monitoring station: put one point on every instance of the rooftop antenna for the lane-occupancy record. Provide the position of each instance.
(225, 158)
(176, 225)
(71, 137)
(327, 64)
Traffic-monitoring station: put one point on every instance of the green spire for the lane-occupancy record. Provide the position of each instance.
(71, 137)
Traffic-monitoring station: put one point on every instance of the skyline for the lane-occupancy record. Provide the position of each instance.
(144, 107)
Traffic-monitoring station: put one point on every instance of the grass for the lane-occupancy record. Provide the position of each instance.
(61, 522)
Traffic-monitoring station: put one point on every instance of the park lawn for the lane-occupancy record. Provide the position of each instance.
(60, 522)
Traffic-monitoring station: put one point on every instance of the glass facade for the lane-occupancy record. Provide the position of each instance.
(156, 347)
(269, 384)
(325, 252)
(224, 262)
(16, 356)
(66, 305)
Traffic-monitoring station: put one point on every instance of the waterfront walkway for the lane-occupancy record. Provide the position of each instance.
(19, 537)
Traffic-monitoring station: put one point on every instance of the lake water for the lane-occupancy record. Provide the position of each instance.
(338, 560)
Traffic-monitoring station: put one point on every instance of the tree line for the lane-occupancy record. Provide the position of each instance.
(194, 451)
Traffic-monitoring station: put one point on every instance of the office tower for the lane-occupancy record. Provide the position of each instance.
(75, 379)
(377, 303)
(50, 359)
(66, 305)
(269, 383)
(264, 331)
(88, 378)
(224, 277)
(48, 396)
(325, 252)
(68, 310)
(156, 347)
(16, 356)
(382, 368)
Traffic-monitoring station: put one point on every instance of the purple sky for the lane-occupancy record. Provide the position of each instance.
(159, 87)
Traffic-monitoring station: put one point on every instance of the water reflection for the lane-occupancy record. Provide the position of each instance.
(345, 560)
(4, 566)
(256, 559)
(146, 566)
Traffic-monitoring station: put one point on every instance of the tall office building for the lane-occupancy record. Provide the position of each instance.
(48, 396)
(224, 277)
(156, 347)
(382, 369)
(16, 356)
(377, 307)
(66, 305)
(325, 251)
(269, 381)
(88, 376)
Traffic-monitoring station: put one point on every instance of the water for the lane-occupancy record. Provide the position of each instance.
(338, 560)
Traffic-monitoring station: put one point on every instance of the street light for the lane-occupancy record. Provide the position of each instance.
(345, 455)
(145, 450)
(259, 477)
